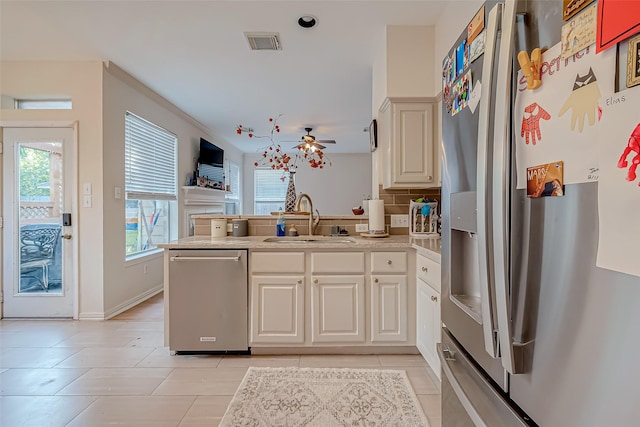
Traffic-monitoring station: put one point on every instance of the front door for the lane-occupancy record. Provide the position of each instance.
(38, 261)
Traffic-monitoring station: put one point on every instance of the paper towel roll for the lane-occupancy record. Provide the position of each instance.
(376, 216)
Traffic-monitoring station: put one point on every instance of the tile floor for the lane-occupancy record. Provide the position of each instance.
(117, 372)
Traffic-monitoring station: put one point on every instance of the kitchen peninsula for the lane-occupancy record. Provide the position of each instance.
(319, 294)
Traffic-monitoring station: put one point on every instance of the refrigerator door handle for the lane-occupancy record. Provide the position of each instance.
(483, 178)
(502, 185)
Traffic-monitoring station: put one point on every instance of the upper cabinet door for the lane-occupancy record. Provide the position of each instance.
(407, 129)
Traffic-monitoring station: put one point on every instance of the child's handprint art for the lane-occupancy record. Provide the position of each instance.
(633, 145)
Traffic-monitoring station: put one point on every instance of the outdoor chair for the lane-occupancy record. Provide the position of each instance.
(39, 245)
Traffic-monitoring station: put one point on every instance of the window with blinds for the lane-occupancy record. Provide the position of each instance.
(150, 184)
(270, 191)
(232, 197)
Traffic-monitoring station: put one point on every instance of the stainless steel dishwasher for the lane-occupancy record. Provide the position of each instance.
(208, 302)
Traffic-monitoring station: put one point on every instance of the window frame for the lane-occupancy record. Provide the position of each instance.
(150, 179)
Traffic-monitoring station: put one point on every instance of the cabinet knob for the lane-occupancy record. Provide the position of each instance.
(375, 280)
(425, 269)
(389, 262)
(434, 298)
(315, 280)
(429, 177)
(299, 282)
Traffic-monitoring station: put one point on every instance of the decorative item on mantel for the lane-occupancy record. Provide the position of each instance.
(273, 157)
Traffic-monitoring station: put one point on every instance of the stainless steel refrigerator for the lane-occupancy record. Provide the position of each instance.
(533, 332)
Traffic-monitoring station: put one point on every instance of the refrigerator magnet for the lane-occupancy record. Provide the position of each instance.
(579, 33)
(461, 52)
(571, 7)
(545, 180)
(476, 25)
(476, 48)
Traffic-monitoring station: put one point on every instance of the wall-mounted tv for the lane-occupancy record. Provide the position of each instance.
(210, 154)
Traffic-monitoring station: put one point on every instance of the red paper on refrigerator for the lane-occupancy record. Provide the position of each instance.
(617, 20)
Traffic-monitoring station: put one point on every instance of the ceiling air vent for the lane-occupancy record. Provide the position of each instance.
(263, 41)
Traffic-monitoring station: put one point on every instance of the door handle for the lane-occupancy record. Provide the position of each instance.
(66, 236)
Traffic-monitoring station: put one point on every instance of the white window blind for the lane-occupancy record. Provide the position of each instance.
(270, 191)
(233, 179)
(150, 160)
(269, 185)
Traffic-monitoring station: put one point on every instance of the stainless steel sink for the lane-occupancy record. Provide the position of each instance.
(309, 239)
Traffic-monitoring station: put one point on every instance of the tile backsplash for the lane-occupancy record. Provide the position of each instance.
(397, 202)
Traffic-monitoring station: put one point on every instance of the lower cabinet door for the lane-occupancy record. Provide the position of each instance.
(277, 309)
(428, 330)
(388, 308)
(337, 309)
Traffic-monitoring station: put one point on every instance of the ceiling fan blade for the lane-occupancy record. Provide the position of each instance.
(325, 141)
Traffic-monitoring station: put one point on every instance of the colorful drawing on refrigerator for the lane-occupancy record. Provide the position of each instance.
(618, 185)
(545, 180)
(583, 101)
(460, 93)
(530, 129)
(571, 96)
(633, 146)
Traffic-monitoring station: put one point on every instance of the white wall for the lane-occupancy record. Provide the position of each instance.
(453, 21)
(125, 280)
(82, 82)
(100, 98)
(409, 60)
(333, 190)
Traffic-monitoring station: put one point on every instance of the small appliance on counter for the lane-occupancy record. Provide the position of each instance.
(218, 227)
(240, 227)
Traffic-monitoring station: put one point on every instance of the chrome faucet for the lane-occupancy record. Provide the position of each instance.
(312, 223)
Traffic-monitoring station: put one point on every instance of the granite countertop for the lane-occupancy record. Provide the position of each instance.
(430, 247)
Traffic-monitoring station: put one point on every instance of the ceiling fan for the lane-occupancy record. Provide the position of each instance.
(309, 142)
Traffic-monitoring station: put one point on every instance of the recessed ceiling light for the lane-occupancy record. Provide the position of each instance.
(307, 21)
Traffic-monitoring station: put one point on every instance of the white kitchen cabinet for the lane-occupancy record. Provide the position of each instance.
(428, 328)
(337, 297)
(389, 314)
(388, 308)
(338, 309)
(277, 314)
(277, 303)
(406, 138)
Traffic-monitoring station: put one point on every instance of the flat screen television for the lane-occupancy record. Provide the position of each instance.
(210, 154)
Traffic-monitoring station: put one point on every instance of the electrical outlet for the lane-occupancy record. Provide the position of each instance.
(399, 221)
(361, 228)
(86, 201)
(145, 269)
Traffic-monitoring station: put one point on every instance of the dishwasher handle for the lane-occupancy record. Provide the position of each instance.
(205, 258)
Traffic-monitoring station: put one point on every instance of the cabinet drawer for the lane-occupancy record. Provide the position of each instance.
(429, 271)
(277, 262)
(337, 262)
(388, 262)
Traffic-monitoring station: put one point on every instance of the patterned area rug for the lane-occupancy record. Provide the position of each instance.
(324, 397)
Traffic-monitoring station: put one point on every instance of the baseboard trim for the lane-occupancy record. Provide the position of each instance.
(91, 316)
(133, 302)
(373, 350)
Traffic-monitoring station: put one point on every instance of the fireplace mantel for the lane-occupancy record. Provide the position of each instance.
(202, 196)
